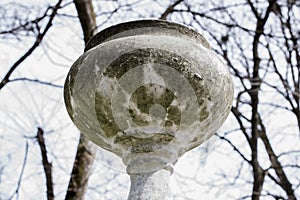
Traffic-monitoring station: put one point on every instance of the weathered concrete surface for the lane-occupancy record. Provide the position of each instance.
(143, 27)
(114, 90)
(149, 186)
(148, 91)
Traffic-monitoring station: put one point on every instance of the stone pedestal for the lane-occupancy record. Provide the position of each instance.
(149, 186)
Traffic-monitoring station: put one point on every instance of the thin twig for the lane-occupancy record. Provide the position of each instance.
(234, 147)
(21, 173)
(36, 81)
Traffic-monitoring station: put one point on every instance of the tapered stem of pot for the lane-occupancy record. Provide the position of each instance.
(150, 185)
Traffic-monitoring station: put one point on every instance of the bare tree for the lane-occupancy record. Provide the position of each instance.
(85, 153)
(258, 65)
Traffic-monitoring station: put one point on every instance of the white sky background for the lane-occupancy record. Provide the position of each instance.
(24, 106)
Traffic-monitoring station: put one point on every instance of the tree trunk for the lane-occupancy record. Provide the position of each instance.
(85, 153)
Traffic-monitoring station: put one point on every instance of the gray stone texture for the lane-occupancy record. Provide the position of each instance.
(148, 91)
(149, 186)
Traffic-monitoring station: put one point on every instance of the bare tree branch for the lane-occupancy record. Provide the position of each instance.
(234, 148)
(36, 81)
(37, 42)
(170, 9)
(275, 164)
(46, 164)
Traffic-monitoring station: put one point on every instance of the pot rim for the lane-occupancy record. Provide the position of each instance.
(164, 27)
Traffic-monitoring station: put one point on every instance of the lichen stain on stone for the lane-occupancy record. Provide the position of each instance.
(146, 95)
(203, 114)
(105, 116)
(144, 145)
(175, 61)
(126, 62)
(69, 85)
(174, 115)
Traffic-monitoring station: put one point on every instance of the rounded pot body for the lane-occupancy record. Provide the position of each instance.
(148, 90)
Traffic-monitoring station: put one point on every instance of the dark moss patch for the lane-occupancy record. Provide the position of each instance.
(143, 97)
(105, 116)
(144, 145)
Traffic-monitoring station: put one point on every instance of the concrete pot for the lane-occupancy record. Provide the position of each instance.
(148, 91)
